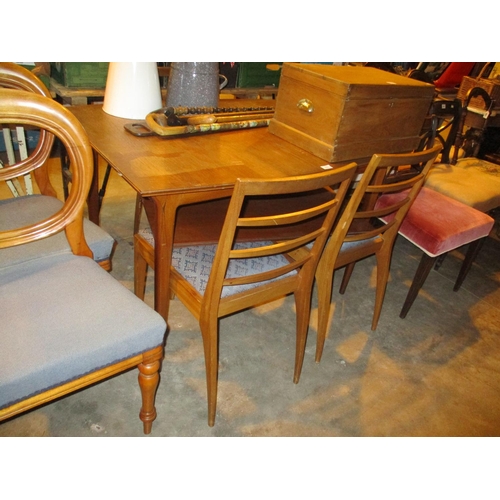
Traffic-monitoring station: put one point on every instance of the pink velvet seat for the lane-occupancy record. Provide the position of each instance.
(438, 224)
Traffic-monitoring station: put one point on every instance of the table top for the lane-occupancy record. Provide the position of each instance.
(157, 165)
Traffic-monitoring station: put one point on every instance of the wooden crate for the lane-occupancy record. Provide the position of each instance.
(348, 112)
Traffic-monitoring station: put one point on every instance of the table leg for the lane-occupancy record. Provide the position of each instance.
(162, 212)
(162, 222)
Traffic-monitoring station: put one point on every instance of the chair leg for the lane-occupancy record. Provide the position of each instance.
(439, 261)
(470, 256)
(324, 280)
(383, 266)
(149, 378)
(423, 271)
(303, 312)
(347, 276)
(210, 335)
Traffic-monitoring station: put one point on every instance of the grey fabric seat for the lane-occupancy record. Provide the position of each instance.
(64, 317)
(21, 211)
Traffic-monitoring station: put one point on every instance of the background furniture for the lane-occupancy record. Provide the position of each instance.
(234, 274)
(66, 323)
(437, 223)
(461, 175)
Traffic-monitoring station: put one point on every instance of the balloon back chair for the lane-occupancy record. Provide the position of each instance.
(24, 207)
(241, 271)
(66, 322)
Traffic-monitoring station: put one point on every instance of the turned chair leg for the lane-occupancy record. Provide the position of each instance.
(149, 378)
(423, 271)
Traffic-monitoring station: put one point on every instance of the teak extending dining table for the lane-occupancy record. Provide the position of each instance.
(170, 172)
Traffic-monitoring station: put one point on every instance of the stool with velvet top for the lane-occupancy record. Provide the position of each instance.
(438, 224)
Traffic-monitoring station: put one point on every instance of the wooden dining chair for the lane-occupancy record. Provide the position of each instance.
(363, 235)
(26, 208)
(66, 322)
(241, 271)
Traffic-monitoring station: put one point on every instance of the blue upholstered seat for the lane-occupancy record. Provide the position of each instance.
(21, 211)
(72, 317)
(194, 263)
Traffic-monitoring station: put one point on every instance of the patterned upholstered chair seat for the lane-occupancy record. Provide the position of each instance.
(194, 263)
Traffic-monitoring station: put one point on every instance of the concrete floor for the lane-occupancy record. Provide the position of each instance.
(435, 373)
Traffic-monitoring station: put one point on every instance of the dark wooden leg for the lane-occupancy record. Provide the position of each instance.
(102, 191)
(439, 261)
(470, 256)
(65, 172)
(149, 378)
(93, 197)
(423, 271)
(347, 276)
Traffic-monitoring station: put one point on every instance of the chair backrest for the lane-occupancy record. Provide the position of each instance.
(29, 109)
(384, 174)
(474, 114)
(14, 76)
(311, 225)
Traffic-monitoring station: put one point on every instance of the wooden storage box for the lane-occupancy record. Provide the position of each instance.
(348, 112)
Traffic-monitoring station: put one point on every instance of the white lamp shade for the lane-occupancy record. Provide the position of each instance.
(132, 90)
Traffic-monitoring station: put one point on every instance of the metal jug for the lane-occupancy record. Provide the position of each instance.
(194, 84)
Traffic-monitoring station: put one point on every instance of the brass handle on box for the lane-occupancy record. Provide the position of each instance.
(305, 105)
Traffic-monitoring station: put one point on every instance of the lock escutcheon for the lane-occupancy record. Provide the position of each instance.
(305, 105)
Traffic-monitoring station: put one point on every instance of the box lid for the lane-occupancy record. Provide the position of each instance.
(357, 82)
